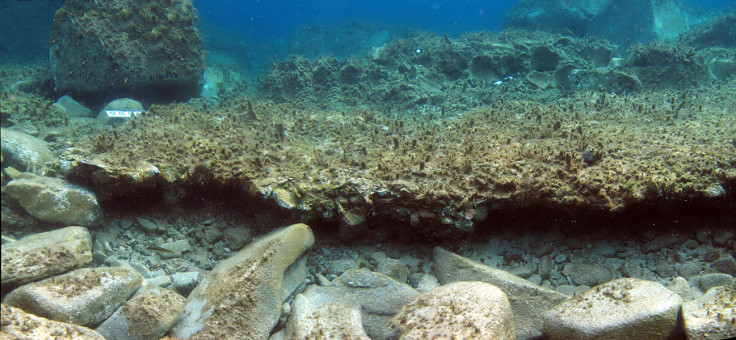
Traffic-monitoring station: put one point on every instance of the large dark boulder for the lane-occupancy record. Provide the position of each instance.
(148, 49)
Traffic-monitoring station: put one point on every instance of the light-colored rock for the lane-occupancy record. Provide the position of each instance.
(711, 316)
(85, 296)
(73, 107)
(357, 305)
(571, 290)
(528, 301)
(41, 255)
(55, 200)
(464, 310)
(147, 225)
(22, 151)
(17, 324)
(246, 289)
(146, 316)
(162, 281)
(427, 283)
(323, 318)
(620, 309)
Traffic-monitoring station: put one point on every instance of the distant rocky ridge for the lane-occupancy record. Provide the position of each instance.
(621, 21)
(426, 73)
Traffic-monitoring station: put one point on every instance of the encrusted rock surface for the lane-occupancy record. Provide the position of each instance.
(465, 310)
(41, 255)
(712, 315)
(247, 289)
(619, 309)
(84, 296)
(147, 315)
(528, 301)
(55, 200)
(17, 324)
(144, 48)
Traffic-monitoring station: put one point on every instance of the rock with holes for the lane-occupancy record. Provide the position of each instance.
(55, 200)
(41, 255)
(242, 296)
(465, 310)
(17, 324)
(85, 296)
(620, 309)
(147, 315)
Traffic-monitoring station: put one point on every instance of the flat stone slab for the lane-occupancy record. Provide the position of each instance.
(247, 289)
(41, 255)
(147, 315)
(85, 296)
(619, 309)
(528, 300)
(17, 324)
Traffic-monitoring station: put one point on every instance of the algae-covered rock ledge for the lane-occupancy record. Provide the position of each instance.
(443, 175)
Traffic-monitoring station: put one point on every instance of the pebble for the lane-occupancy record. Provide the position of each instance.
(560, 258)
(689, 269)
(141, 269)
(184, 283)
(722, 236)
(665, 269)
(161, 281)
(726, 264)
(691, 244)
(708, 281)
(146, 224)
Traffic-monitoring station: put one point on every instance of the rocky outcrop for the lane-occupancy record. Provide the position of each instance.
(248, 288)
(711, 316)
(41, 255)
(619, 309)
(147, 315)
(528, 301)
(85, 296)
(358, 304)
(55, 200)
(148, 49)
(17, 324)
(465, 310)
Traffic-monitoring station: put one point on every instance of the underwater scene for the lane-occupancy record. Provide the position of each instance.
(407, 169)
